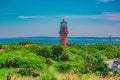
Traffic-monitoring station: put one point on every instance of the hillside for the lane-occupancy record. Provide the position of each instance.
(27, 60)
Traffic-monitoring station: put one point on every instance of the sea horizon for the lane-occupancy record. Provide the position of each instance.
(68, 37)
(55, 40)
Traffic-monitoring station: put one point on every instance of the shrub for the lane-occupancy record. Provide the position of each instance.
(0, 46)
(101, 46)
(41, 51)
(27, 72)
(64, 67)
(23, 43)
(14, 47)
(5, 72)
(23, 60)
(100, 66)
(46, 52)
(57, 51)
(34, 49)
(49, 61)
(64, 57)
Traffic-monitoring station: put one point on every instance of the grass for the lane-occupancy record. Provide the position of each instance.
(53, 70)
(70, 76)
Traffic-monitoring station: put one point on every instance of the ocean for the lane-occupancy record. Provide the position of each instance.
(55, 40)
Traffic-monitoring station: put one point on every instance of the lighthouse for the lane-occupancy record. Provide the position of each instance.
(63, 33)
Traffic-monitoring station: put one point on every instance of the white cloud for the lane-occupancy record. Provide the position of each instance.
(105, 16)
(98, 2)
(28, 17)
(105, 1)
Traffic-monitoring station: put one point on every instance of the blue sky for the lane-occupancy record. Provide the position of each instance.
(21, 18)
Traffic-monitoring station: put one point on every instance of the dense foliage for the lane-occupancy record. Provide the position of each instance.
(23, 43)
(34, 60)
(0, 46)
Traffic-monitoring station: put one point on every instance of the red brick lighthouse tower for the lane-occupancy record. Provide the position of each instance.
(63, 33)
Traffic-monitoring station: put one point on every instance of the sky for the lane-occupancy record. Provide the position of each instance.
(85, 18)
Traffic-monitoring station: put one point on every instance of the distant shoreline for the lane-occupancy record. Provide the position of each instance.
(68, 37)
(55, 40)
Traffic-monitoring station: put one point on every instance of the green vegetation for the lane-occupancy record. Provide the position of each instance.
(46, 62)
(0, 46)
(23, 43)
